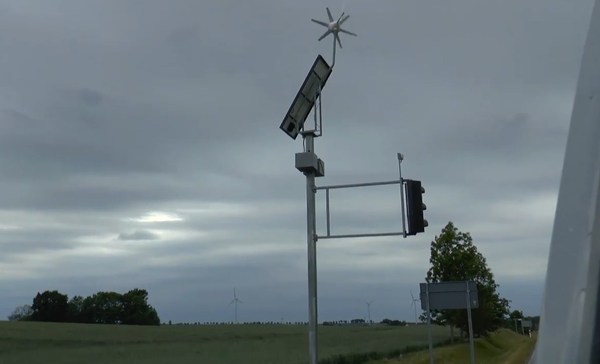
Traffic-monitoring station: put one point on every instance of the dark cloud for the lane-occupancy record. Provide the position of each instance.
(119, 126)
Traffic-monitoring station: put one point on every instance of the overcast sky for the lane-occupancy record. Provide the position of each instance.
(140, 147)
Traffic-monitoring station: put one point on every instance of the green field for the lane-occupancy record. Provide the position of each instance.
(35, 342)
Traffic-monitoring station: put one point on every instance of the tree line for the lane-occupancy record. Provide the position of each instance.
(130, 308)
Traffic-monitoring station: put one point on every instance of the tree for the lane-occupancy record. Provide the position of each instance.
(21, 313)
(76, 310)
(454, 257)
(515, 315)
(50, 306)
(100, 308)
(131, 308)
(136, 310)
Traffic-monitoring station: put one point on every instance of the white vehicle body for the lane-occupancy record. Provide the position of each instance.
(570, 323)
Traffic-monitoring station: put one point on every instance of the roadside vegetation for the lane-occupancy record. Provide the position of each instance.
(501, 347)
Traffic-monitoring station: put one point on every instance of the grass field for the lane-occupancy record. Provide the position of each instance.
(34, 342)
(502, 347)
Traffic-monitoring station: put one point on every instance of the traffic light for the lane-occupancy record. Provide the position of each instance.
(415, 207)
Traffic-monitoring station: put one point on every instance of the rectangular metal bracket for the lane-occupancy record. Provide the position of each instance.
(353, 185)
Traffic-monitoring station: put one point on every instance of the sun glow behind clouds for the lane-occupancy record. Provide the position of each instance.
(158, 216)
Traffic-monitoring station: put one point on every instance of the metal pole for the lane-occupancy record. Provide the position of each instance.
(333, 63)
(327, 211)
(311, 239)
(471, 343)
(429, 337)
(400, 158)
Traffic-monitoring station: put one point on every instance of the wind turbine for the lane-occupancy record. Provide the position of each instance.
(235, 301)
(369, 310)
(334, 27)
(415, 305)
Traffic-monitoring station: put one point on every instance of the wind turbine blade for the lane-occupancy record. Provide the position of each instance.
(320, 22)
(343, 20)
(347, 32)
(337, 37)
(411, 295)
(326, 34)
(329, 15)
(340, 18)
(234, 296)
(240, 301)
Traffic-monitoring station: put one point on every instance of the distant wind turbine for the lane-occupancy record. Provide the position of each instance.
(235, 302)
(415, 305)
(369, 310)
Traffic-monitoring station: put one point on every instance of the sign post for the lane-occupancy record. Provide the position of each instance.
(429, 337)
(471, 341)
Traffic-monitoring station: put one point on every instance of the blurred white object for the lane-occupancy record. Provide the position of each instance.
(570, 327)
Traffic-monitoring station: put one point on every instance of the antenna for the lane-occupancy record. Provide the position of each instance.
(235, 302)
(413, 304)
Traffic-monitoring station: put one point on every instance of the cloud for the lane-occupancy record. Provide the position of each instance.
(163, 126)
(139, 235)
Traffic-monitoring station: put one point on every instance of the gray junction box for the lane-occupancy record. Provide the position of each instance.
(448, 295)
(308, 162)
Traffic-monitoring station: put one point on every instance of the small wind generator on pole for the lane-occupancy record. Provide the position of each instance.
(307, 162)
(334, 27)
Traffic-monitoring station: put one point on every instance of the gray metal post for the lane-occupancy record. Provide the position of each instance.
(471, 343)
(400, 158)
(311, 239)
(429, 336)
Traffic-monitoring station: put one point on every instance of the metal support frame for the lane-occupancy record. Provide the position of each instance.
(312, 237)
(399, 182)
(318, 116)
(400, 159)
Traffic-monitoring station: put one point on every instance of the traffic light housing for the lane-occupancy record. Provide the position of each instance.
(415, 207)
